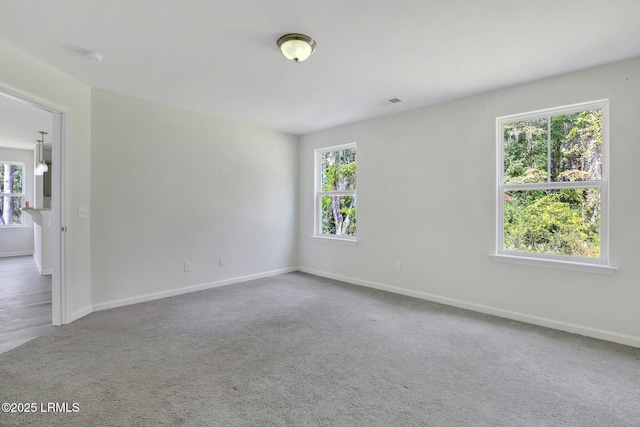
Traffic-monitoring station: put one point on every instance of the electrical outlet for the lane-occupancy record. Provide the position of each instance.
(187, 266)
(396, 267)
(222, 261)
(83, 212)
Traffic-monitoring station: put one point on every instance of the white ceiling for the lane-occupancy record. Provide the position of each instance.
(20, 123)
(220, 57)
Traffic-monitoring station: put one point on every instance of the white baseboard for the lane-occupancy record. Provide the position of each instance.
(43, 271)
(526, 318)
(10, 254)
(80, 313)
(186, 290)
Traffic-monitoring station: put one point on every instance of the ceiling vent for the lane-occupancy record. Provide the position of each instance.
(391, 101)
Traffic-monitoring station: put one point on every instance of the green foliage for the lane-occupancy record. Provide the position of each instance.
(563, 148)
(560, 222)
(572, 143)
(525, 150)
(339, 174)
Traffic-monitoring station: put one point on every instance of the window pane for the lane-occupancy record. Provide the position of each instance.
(10, 178)
(329, 170)
(347, 170)
(339, 170)
(338, 215)
(558, 222)
(576, 146)
(525, 151)
(10, 213)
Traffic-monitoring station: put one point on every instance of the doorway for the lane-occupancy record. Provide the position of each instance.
(18, 264)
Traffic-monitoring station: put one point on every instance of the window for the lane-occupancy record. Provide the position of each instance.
(552, 184)
(336, 192)
(11, 193)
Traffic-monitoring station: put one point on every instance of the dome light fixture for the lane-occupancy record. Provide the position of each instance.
(296, 47)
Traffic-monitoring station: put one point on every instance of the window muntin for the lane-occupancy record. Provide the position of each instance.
(552, 184)
(11, 193)
(336, 192)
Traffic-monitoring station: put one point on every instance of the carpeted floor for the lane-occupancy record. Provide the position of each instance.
(298, 350)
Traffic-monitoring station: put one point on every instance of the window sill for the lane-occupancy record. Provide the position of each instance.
(336, 240)
(13, 227)
(561, 265)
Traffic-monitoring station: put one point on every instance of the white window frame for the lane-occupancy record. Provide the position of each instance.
(317, 229)
(22, 195)
(594, 265)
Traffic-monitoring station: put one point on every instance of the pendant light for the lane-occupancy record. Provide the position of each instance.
(41, 167)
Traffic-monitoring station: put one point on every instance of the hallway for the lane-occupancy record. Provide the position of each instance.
(25, 302)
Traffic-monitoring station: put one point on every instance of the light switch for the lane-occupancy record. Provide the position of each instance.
(83, 212)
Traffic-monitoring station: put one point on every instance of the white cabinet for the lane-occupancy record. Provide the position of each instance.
(41, 238)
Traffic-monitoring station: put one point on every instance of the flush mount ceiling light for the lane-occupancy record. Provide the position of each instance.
(296, 47)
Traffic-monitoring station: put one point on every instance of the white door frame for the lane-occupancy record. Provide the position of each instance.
(58, 198)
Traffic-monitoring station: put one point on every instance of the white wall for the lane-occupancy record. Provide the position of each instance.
(170, 185)
(27, 74)
(16, 241)
(426, 198)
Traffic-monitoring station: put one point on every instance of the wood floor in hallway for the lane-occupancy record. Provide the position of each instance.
(25, 302)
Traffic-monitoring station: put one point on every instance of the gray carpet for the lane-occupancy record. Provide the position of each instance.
(298, 350)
